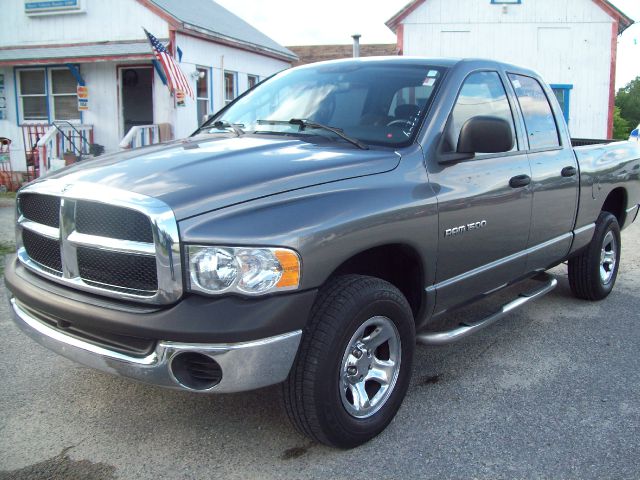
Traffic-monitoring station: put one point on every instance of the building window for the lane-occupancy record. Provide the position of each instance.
(32, 91)
(46, 94)
(230, 86)
(252, 80)
(506, 2)
(64, 95)
(202, 94)
(563, 94)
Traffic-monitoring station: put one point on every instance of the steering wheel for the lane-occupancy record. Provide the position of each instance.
(406, 123)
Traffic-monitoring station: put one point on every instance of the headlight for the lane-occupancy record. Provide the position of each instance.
(244, 270)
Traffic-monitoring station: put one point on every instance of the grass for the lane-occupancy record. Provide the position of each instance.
(5, 248)
(7, 194)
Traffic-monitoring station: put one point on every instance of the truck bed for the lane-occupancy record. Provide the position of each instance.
(583, 142)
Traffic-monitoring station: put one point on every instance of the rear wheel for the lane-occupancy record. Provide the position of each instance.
(354, 363)
(593, 273)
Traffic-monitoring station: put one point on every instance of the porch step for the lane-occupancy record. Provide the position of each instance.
(58, 163)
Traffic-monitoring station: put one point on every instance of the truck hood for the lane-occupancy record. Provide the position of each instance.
(205, 173)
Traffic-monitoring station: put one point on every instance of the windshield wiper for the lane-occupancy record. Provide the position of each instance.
(221, 125)
(304, 124)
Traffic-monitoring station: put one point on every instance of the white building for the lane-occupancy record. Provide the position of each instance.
(49, 48)
(572, 43)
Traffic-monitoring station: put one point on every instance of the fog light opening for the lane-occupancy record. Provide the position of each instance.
(195, 371)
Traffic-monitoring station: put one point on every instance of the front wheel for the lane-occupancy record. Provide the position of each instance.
(593, 273)
(354, 363)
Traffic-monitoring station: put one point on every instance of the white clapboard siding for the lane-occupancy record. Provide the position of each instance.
(567, 42)
(9, 126)
(121, 20)
(216, 57)
(104, 21)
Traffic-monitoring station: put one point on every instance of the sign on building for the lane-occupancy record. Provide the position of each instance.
(35, 7)
(83, 98)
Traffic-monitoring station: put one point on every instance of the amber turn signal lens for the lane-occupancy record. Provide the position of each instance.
(290, 269)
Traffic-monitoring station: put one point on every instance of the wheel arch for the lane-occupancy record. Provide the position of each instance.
(616, 204)
(397, 263)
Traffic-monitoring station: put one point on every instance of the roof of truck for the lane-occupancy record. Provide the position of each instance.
(430, 61)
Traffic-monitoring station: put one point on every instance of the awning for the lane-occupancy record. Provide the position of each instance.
(77, 53)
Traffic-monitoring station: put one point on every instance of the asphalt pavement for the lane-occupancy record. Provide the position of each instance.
(552, 391)
(7, 216)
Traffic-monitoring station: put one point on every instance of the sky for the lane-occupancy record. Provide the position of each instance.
(334, 21)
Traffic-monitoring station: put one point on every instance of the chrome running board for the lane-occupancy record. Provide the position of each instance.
(466, 329)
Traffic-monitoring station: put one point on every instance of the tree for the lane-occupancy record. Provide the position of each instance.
(621, 127)
(628, 101)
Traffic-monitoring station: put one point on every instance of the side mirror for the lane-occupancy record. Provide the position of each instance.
(485, 134)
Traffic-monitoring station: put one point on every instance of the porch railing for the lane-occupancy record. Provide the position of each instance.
(60, 139)
(141, 135)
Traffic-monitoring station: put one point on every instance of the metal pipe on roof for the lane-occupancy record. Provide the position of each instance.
(356, 45)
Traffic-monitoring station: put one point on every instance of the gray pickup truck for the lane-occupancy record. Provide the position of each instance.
(317, 228)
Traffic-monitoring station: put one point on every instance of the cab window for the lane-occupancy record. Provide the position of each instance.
(538, 116)
(481, 94)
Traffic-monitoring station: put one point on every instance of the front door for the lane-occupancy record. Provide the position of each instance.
(136, 96)
(484, 217)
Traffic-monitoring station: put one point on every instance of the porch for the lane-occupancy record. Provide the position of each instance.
(78, 108)
(49, 147)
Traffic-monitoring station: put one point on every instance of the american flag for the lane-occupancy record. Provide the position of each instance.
(175, 76)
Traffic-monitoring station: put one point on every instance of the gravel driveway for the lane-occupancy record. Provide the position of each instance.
(552, 391)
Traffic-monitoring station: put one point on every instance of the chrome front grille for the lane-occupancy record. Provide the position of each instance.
(100, 239)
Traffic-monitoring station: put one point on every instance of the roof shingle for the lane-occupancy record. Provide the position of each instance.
(208, 15)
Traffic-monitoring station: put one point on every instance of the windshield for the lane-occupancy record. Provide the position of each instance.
(375, 103)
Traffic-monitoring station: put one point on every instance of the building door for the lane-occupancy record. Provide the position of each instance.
(484, 215)
(136, 96)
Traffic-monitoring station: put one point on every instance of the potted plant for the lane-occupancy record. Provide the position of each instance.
(69, 158)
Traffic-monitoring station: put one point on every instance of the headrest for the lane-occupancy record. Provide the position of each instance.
(407, 110)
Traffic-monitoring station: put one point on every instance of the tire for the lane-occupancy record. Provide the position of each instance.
(322, 391)
(593, 273)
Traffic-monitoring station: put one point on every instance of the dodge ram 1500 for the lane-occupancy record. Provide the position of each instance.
(317, 228)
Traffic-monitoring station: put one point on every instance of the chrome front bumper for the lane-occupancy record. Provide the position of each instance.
(245, 366)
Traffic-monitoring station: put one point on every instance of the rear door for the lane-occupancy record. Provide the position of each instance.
(483, 220)
(554, 174)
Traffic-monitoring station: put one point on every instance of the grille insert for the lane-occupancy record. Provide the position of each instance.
(44, 209)
(103, 220)
(134, 346)
(120, 270)
(43, 250)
